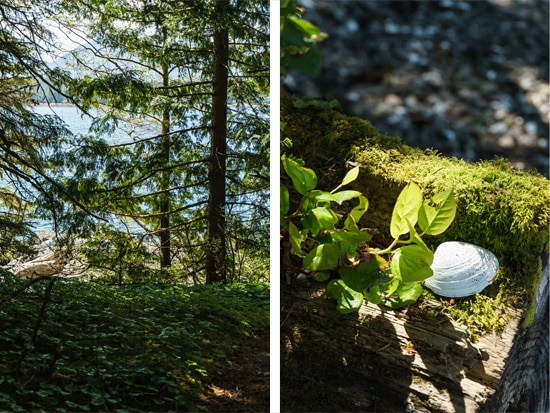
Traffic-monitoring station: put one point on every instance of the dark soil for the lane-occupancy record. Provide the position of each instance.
(468, 78)
(243, 385)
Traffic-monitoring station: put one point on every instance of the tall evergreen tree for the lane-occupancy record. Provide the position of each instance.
(194, 73)
(26, 139)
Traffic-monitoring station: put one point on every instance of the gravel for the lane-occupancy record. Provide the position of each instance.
(468, 78)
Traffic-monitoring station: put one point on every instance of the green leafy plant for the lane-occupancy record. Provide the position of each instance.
(298, 40)
(328, 243)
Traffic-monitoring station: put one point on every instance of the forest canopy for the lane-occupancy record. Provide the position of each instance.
(182, 191)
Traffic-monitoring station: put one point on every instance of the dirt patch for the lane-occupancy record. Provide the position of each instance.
(241, 385)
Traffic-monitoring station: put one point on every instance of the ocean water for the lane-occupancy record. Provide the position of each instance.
(78, 123)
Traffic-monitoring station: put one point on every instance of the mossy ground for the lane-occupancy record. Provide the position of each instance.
(149, 347)
(498, 207)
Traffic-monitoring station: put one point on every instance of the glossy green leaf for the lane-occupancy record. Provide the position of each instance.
(310, 222)
(296, 238)
(326, 217)
(434, 220)
(373, 294)
(342, 196)
(414, 237)
(406, 209)
(363, 276)
(322, 257)
(405, 294)
(304, 26)
(412, 263)
(317, 195)
(356, 213)
(350, 177)
(303, 179)
(348, 300)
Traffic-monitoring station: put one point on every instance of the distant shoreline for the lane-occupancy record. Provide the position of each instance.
(55, 104)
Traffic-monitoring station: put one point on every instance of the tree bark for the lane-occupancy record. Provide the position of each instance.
(523, 386)
(164, 204)
(383, 360)
(216, 258)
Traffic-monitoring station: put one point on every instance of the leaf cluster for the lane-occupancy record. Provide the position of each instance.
(298, 40)
(138, 348)
(329, 243)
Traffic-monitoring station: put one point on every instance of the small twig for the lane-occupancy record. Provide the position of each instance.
(23, 287)
(32, 341)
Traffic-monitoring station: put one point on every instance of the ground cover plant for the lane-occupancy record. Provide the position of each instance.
(148, 347)
(327, 246)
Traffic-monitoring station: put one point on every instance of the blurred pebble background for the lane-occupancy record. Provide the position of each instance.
(468, 78)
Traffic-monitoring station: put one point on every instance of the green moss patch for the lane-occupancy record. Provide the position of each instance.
(498, 207)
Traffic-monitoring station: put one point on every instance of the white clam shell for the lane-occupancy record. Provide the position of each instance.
(461, 269)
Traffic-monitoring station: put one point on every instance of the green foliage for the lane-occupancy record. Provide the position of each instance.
(326, 242)
(298, 40)
(497, 206)
(138, 348)
(121, 257)
(150, 74)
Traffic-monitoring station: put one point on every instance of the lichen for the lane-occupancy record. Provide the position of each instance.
(498, 207)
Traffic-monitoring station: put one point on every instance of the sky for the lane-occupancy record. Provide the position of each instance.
(66, 41)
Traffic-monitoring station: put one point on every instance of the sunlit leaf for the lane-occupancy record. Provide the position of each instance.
(342, 196)
(405, 294)
(350, 177)
(373, 294)
(296, 238)
(326, 217)
(303, 179)
(356, 213)
(322, 257)
(412, 263)
(406, 209)
(363, 276)
(435, 220)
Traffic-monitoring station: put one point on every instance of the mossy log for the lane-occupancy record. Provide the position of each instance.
(389, 360)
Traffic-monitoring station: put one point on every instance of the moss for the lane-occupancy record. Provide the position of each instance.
(481, 314)
(498, 207)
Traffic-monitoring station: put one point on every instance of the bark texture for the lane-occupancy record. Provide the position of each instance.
(216, 261)
(524, 383)
(383, 361)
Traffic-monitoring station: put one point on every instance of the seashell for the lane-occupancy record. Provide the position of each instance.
(461, 269)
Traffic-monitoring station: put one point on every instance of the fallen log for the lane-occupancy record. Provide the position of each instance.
(420, 359)
(46, 265)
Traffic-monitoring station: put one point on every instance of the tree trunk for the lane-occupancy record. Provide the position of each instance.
(164, 204)
(524, 383)
(216, 256)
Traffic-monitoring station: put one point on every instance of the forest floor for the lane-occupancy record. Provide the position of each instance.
(244, 386)
(77, 346)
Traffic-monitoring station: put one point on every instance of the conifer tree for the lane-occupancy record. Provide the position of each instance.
(194, 75)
